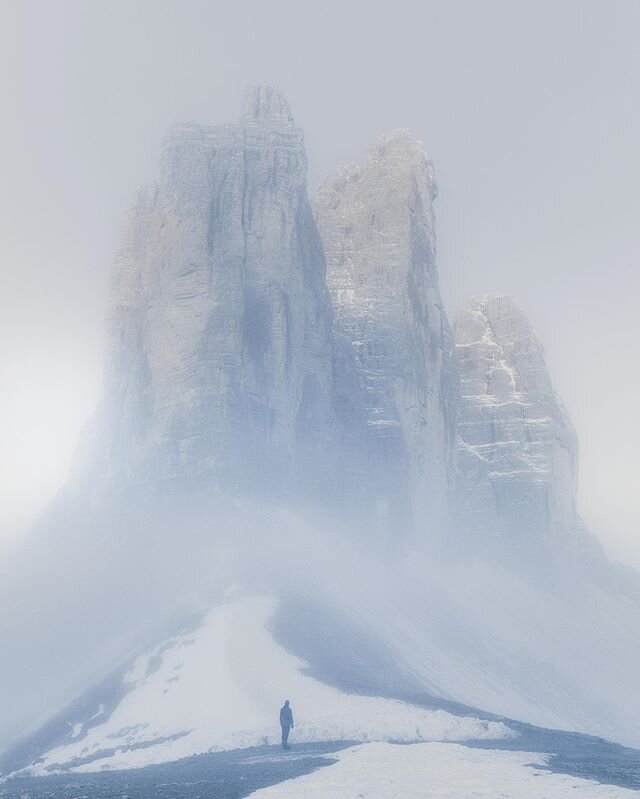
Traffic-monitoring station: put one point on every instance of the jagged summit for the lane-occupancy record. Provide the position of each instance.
(377, 224)
(497, 307)
(514, 351)
(399, 151)
(398, 142)
(400, 145)
(495, 300)
(266, 105)
(242, 345)
(218, 369)
(518, 454)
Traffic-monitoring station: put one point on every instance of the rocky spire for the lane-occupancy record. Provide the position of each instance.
(518, 457)
(378, 228)
(265, 105)
(219, 364)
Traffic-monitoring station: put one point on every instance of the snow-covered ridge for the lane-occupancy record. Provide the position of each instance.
(220, 686)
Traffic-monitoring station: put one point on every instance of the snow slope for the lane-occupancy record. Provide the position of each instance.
(438, 771)
(220, 687)
(563, 657)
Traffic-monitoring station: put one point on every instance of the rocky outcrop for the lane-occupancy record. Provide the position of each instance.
(228, 370)
(378, 229)
(518, 451)
(219, 359)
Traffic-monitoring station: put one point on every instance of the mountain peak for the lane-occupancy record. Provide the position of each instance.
(492, 305)
(504, 317)
(517, 461)
(401, 152)
(397, 141)
(266, 105)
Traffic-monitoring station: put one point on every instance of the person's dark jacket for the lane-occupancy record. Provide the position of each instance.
(286, 716)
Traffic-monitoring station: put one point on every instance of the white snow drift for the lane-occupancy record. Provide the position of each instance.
(438, 771)
(220, 687)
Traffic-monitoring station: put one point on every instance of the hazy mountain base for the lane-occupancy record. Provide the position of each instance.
(238, 773)
(214, 688)
(463, 632)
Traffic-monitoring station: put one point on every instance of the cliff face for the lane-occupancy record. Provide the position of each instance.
(219, 359)
(518, 451)
(253, 349)
(378, 229)
(223, 366)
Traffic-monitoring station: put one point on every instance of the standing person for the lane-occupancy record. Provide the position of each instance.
(286, 722)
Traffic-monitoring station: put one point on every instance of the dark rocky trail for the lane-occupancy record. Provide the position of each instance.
(222, 775)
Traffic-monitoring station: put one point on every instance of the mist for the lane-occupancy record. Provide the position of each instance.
(527, 111)
(362, 614)
(330, 388)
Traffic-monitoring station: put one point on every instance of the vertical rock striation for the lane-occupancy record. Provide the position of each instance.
(378, 229)
(518, 451)
(227, 368)
(219, 358)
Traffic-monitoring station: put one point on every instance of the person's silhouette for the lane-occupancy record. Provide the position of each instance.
(286, 722)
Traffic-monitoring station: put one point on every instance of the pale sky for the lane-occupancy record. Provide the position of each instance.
(529, 110)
